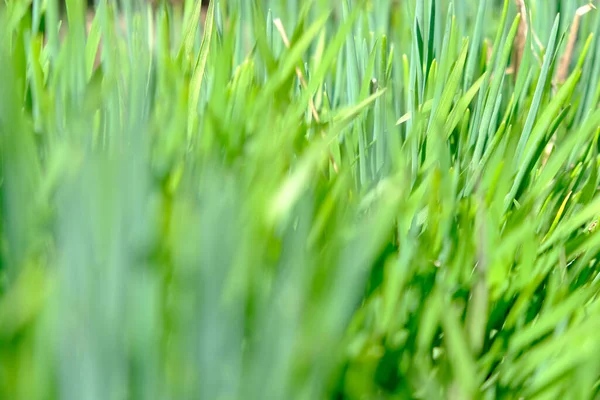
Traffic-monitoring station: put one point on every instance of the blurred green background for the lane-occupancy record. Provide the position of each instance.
(390, 208)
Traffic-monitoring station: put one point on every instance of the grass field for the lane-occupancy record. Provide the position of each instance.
(313, 199)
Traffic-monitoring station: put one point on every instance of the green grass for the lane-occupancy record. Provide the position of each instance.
(390, 208)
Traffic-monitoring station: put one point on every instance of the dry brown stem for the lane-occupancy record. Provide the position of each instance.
(565, 61)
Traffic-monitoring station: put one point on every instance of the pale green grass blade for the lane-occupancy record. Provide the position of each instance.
(539, 90)
(475, 45)
(494, 91)
(199, 70)
(463, 103)
(539, 131)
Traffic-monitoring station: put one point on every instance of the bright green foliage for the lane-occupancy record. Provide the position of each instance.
(383, 209)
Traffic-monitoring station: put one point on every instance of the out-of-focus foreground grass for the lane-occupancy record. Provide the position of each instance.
(299, 200)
